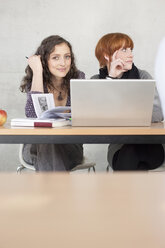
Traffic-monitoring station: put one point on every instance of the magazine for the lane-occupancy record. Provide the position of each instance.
(42, 102)
(45, 107)
(57, 112)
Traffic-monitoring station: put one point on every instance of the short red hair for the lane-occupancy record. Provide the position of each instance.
(109, 43)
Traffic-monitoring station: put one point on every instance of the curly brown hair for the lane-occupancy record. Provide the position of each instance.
(44, 50)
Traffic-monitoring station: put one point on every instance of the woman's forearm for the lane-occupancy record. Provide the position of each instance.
(37, 81)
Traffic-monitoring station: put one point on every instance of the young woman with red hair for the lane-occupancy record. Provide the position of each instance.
(114, 53)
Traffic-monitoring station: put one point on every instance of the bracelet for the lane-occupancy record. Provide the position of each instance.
(112, 77)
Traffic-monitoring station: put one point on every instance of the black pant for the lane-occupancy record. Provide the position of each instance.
(138, 157)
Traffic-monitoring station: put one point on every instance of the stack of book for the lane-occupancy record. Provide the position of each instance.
(36, 122)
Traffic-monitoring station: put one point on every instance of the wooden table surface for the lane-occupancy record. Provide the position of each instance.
(154, 129)
(153, 134)
(102, 210)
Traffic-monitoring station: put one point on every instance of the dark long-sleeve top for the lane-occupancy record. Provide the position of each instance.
(29, 107)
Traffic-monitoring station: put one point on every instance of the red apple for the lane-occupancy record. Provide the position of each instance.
(3, 117)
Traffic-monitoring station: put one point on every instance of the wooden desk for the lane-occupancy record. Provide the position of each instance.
(81, 211)
(153, 134)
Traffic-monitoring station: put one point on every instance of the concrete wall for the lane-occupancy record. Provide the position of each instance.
(24, 24)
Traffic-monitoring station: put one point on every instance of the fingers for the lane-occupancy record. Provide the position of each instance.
(114, 55)
(116, 67)
(106, 57)
(34, 62)
(34, 57)
(118, 63)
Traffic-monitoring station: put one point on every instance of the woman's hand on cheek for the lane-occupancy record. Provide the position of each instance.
(116, 66)
(35, 63)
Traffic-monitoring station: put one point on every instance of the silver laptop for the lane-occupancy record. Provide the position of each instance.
(102, 102)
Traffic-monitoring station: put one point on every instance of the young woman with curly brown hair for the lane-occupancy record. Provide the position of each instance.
(49, 70)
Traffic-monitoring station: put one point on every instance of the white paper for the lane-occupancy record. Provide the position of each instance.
(57, 112)
(42, 102)
(160, 73)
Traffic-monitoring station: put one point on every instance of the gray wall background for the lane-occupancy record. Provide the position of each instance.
(24, 24)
